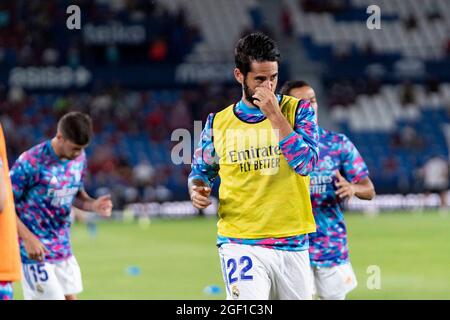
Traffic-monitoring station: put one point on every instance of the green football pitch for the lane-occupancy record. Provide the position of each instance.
(177, 259)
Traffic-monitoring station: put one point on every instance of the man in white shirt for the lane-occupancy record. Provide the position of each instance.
(435, 175)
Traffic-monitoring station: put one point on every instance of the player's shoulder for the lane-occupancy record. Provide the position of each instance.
(334, 136)
(82, 157)
(29, 161)
(301, 108)
(34, 153)
(344, 138)
(285, 99)
(227, 109)
(210, 119)
(225, 114)
(294, 102)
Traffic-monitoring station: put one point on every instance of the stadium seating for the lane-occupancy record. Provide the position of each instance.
(211, 16)
(410, 47)
(426, 41)
(373, 122)
(135, 123)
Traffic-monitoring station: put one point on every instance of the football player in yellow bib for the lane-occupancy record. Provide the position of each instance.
(263, 148)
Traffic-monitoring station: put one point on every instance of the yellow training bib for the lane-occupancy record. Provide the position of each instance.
(260, 195)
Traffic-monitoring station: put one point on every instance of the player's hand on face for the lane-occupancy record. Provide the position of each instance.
(35, 249)
(345, 188)
(103, 206)
(266, 100)
(200, 197)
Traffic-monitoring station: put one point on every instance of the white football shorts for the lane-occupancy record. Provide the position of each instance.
(333, 283)
(51, 281)
(258, 273)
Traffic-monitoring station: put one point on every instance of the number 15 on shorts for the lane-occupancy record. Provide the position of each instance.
(239, 269)
(35, 274)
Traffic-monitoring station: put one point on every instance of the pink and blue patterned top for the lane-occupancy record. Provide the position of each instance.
(300, 149)
(44, 189)
(6, 290)
(328, 245)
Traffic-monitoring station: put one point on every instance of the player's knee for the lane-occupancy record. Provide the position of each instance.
(71, 297)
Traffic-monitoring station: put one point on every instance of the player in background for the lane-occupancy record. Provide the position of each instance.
(9, 246)
(339, 175)
(47, 180)
(435, 175)
(265, 211)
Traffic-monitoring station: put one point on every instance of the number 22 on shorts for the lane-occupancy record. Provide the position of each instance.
(245, 264)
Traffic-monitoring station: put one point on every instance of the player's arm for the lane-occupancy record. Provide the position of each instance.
(204, 168)
(299, 144)
(35, 249)
(267, 101)
(301, 147)
(102, 205)
(2, 188)
(357, 181)
(363, 189)
(23, 175)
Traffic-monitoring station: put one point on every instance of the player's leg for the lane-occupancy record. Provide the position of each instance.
(313, 283)
(245, 275)
(293, 277)
(69, 276)
(443, 200)
(6, 290)
(40, 282)
(336, 282)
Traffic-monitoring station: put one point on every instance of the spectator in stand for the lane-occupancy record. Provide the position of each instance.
(407, 94)
(34, 33)
(410, 22)
(433, 12)
(286, 21)
(119, 114)
(158, 50)
(447, 47)
(435, 174)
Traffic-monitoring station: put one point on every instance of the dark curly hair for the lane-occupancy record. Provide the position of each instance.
(255, 47)
(76, 127)
(292, 84)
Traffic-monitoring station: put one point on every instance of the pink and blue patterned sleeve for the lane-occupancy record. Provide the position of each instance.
(23, 175)
(353, 165)
(84, 173)
(301, 147)
(205, 164)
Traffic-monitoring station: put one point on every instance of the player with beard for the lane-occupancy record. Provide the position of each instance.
(263, 148)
